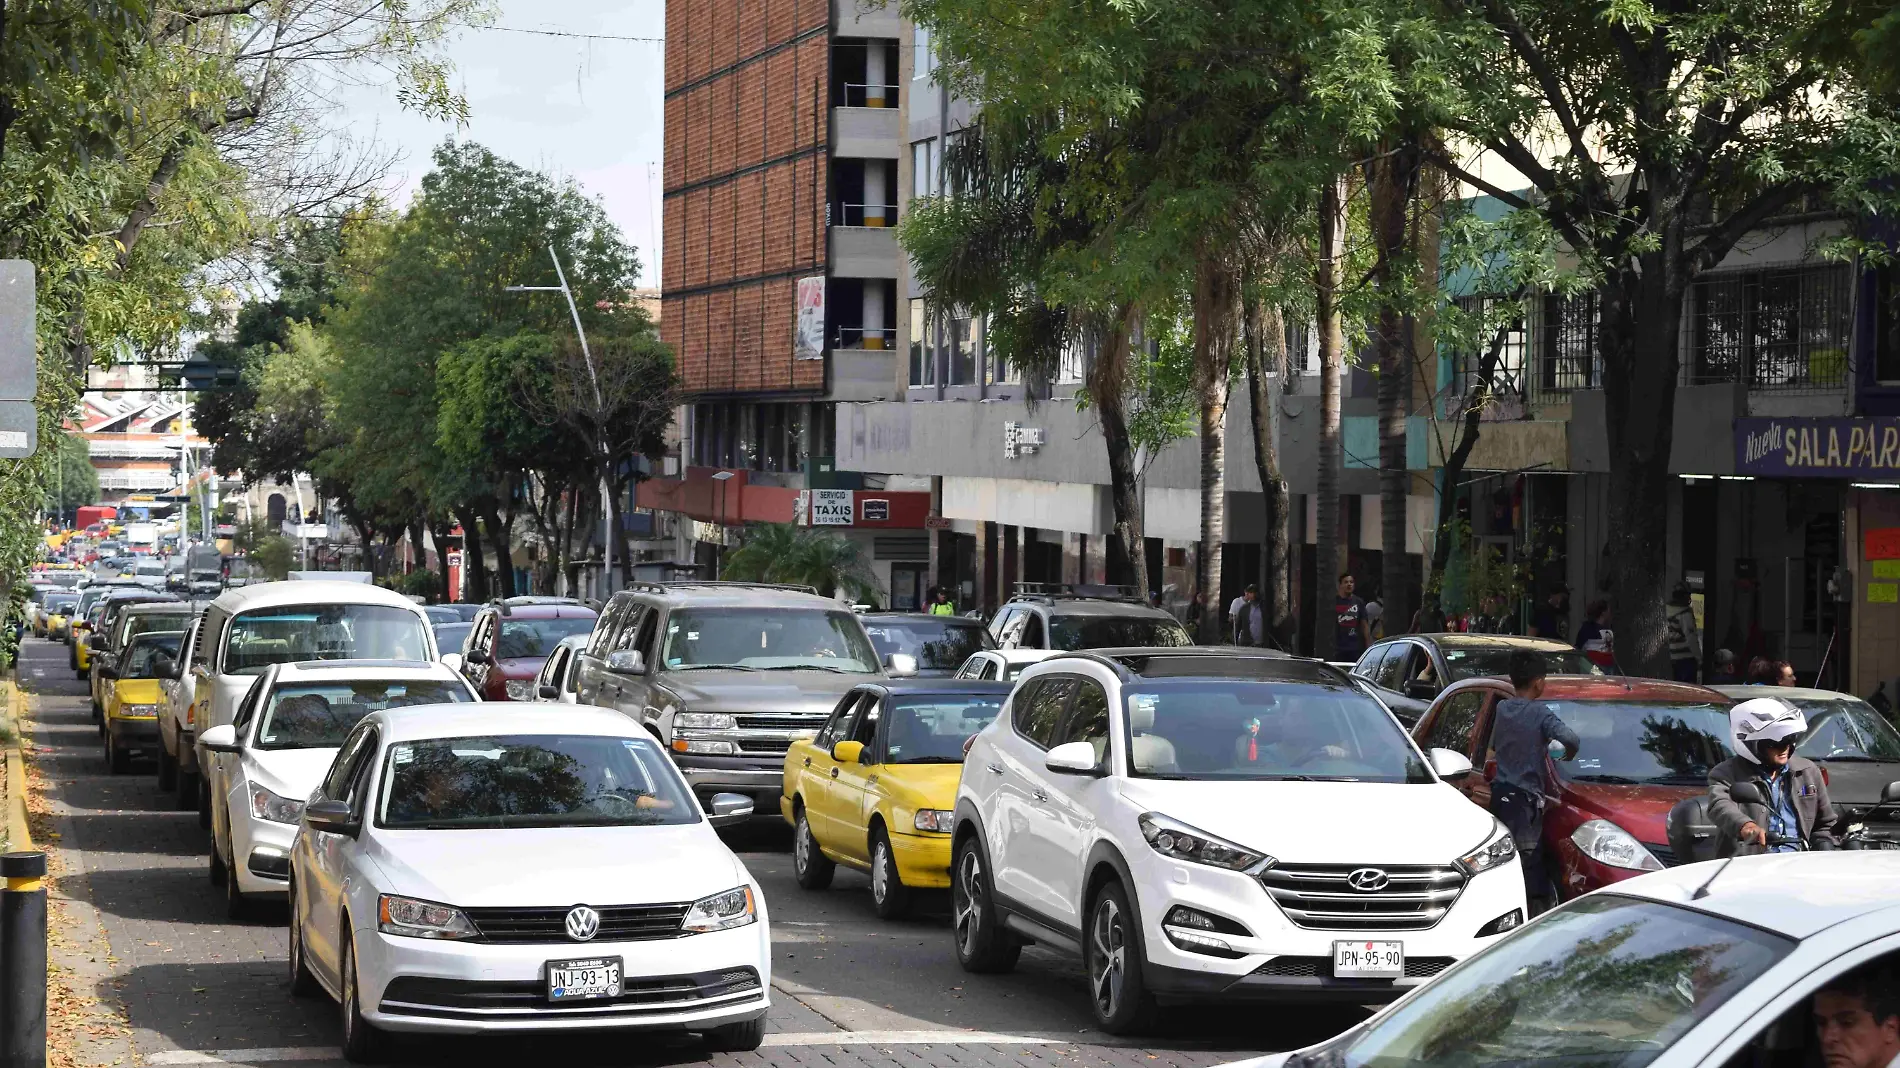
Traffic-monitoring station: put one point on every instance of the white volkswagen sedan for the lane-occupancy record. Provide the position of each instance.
(470, 869)
(260, 768)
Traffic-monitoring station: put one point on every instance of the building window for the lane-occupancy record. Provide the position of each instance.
(996, 369)
(1569, 357)
(1782, 329)
(1887, 325)
(1075, 360)
(924, 59)
(962, 341)
(923, 345)
(923, 168)
(1508, 378)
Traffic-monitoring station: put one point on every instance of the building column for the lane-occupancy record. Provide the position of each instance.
(1073, 557)
(876, 194)
(986, 567)
(1012, 563)
(873, 312)
(875, 67)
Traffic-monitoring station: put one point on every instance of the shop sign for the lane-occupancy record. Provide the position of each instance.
(1823, 447)
(1020, 440)
(877, 510)
(1881, 543)
(830, 508)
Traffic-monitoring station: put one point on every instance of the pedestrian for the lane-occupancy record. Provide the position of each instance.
(1879, 701)
(1247, 617)
(940, 604)
(1429, 619)
(1685, 638)
(1196, 610)
(1595, 637)
(1349, 621)
(1552, 618)
(1724, 673)
(1784, 673)
(1375, 617)
(1520, 741)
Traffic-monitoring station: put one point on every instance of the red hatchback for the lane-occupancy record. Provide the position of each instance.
(1646, 745)
(512, 638)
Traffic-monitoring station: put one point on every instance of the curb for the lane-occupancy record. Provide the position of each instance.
(19, 835)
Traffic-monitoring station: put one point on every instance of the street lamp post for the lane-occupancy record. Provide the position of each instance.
(719, 548)
(600, 408)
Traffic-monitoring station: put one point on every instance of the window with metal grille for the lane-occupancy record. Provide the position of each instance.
(1467, 359)
(1569, 358)
(1782, 329)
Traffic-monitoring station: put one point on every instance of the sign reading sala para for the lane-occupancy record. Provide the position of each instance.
(1819, 447)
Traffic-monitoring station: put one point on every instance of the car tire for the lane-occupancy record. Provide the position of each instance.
(810, 866)
(737, 1038)
(118, 761)
(303, 984)
(167, 769)
(363, 1042)
(1114, 963)
(889, 896)
(983, 945)
(236, 905)
(204, 803)
(215, 867)
(187, 798)
(98, 714)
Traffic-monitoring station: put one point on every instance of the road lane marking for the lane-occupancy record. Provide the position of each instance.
(262, 1055)
(279, 1054)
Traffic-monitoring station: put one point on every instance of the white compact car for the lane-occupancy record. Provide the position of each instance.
(1786, 959)
(471, 869)
(260, 768)
(1219, 824)
(555, 684)
(1000, 665)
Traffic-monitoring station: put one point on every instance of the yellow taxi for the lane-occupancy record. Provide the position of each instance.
(875, 787)
(133, 699)
(82, 638)
(55, 620)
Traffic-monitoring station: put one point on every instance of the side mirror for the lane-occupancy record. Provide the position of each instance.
(332, 816)
(547, 693)
(475, 656)
(1448, 763)
(627, 662)
(1747, 793)
(729, 806)
(847, 752)
(1073, 758)
(900, 665)
(1420, 690)
(1890, 793)
(164, 667)
(107, 669)
(221, 739)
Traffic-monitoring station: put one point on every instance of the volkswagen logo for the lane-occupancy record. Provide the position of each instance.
(1364, 880)
(583, 923)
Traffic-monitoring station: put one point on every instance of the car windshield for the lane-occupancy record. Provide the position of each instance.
(142, 655)
(767, 639)
(1474, 661)
(1071, 633)
(932, 730)
(61, 603)
(449, 636)
(1605, 982)
(1260, 730)
(320, 715)
(1665, 743)
(293, 633)
(151, 569)
(532, 781)
(138, 623)
(537, 637)
(935, 644)
(1846, 728)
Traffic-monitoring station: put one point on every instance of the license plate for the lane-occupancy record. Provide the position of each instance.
(1368, 960)
(580, 980)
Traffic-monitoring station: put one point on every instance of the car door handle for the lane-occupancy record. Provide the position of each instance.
(995, 769)
(834, 773)
(1040, 796)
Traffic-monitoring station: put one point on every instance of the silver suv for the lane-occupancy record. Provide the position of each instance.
(1075, 617)
(726, 674)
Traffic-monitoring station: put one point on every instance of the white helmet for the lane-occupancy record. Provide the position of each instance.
(1763, 719)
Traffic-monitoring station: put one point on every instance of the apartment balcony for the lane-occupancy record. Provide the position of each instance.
(864, 251)
(866, 133)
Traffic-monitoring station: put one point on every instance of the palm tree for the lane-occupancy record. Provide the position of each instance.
(825, 560)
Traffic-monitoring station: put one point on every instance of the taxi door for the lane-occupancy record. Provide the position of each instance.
(852, 782)
(818, 769)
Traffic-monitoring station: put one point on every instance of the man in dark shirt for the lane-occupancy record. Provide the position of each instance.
(1349, 617)
(1521, 740)
(1552, 618)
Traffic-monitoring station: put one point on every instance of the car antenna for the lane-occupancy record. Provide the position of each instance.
(1703, 890)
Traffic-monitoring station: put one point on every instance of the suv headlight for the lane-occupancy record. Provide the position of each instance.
(702, 721)
(1606, 843)
(422, 919)
(705, 747)
(1178, 841)
(1496, 849)
(519, 689)
(266, 805)
(721, 912)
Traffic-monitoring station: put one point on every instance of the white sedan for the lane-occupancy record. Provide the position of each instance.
(1000, 665)
(1786, 959)
(287, 731)
(470, 869)
(560, 671)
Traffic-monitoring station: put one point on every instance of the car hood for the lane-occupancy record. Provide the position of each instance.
(137, 691)
(292, 773)
(815, 692)
(1325, 822)
(1858, 782)
(921, 785)
(1641, 810)
(557, 866)
(521, 667)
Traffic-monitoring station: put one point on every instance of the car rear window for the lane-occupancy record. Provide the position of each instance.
(935, 644)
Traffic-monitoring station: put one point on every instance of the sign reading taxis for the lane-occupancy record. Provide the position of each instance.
(1819, 447)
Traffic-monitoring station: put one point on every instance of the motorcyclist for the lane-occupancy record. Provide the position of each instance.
(1763, 732)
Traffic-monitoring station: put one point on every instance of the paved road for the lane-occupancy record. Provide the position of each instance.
(143, 932)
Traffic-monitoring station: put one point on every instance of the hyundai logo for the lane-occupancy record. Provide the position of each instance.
(1364, 880)
(583, 923)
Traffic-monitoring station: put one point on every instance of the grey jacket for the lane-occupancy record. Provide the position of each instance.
(1812, 808)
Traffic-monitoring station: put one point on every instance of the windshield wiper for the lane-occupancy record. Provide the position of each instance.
(712, 667)
(811, 667)
(1852, 759)
(1611, 780)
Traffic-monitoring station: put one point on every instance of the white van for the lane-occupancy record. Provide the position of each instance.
(250, 628)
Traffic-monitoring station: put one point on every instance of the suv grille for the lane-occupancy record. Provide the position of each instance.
(1318, 896)
(1322, 967)
(763, 747)
(618, 923)
(781, 721)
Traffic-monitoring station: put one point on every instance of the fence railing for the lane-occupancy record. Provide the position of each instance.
(869, 95)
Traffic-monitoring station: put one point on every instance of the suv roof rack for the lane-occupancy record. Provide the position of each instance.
(1218, 661)
(688, 584)
(1075, 591)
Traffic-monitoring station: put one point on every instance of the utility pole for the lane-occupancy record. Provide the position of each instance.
(600, 412)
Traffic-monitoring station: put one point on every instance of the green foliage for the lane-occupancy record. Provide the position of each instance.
(73, 482)
(274, 555)
(825, 560)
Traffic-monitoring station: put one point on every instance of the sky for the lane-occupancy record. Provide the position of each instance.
(574, 107)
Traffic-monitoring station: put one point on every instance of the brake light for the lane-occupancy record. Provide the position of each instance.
(191, 715)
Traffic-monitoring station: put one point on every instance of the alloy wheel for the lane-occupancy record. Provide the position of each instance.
(880, 874)
(967, 903)
(1111, 955)
(801, 846)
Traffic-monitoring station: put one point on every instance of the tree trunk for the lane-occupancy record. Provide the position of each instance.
(1266, 378)
(416, 546)
(1640, 315)
(1216, 296)
(1393, 178)
(473, 565)
(441, 534)
(499, 533)
(1332, 344)
(1108, 388)
(1471, 417)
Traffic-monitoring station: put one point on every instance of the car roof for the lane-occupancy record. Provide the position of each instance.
(1091, 606)
(478, 718)
(1796, 894)
(923, 617)
(1625, 688)
(1804, 693)
(1209, 661)
(1478, 641)
(733, 595)
(574, 640)
(373, 669)
(914, 687)
(310, 591)
(164, 608)
(563, 610)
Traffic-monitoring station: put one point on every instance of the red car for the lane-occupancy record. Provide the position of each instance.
(1646, 745)
(511, 639)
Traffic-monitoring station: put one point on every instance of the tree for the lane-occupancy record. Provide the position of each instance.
(74, 483)
(827, 561)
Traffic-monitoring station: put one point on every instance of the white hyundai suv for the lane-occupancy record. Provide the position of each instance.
(1220, 824)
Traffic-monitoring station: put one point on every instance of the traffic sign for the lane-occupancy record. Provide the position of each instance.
(19, 370)
(19, 429)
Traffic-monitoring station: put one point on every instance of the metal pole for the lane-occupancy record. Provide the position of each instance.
(23, 961)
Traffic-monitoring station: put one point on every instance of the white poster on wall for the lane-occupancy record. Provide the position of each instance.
(808, 335)
(830, 508)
